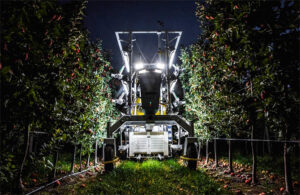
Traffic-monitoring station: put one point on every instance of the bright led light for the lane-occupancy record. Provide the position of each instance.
(157, 71)
(160, 65)
(125, 86)
(139, 65)
(126, 60)
(173, 85)
(143, 71)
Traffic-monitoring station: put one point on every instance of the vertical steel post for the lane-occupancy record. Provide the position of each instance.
(107, 129)
(159, 60)
(159, 46)
(135, 97)
(179, 135)
(130, 73)
(121, 137)
(167, 70)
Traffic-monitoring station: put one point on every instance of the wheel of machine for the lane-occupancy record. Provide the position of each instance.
(191, 153)
(108, 156)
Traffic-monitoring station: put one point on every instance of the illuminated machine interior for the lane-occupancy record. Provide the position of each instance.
(150, 127)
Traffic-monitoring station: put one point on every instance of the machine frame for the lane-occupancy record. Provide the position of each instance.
(164, 118)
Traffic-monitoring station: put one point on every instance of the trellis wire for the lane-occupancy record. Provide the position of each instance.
(53, 182)
(258, 140)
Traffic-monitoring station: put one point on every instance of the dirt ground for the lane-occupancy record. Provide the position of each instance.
(268, 183)
(238, 182)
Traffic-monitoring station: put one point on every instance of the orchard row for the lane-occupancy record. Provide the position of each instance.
(242, 76)
(53, 80)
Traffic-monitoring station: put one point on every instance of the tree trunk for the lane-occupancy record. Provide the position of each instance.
(199, 151)
(88, 160)
(26, 145)
(268, 138)
(73, 159)
(297, 153)
(55, 159)
(31, 143)
(263, 146)
(80, 159)
(216, 154)
(246, 148)
(257, 152)
(207, 154)
(253, 157)
(287, 169)
(96, 152)
(230, 156)
(35, 146)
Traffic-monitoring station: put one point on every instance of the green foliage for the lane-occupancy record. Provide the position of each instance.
(53, 79)
(244, 69)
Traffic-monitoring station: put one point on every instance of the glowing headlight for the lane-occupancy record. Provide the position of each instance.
(139, 65)
(160, 65)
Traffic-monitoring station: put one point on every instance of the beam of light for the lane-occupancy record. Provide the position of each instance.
(125, 86)
(143, 71)
(157, 71)
(176, 46)
(139, 65)
(173, 85)
(171, 58)
(126, 59)
(121, 70)
(160, 65)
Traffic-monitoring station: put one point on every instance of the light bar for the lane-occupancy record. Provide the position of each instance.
(160, 65)
(139, 65)
(143, 71)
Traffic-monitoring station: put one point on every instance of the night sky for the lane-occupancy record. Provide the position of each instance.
(105, 17)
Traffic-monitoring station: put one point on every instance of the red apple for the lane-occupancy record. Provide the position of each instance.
(57, 183)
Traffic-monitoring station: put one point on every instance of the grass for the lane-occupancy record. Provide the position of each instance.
(151, 177)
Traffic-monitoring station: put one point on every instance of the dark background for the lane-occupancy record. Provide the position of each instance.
(105, 17)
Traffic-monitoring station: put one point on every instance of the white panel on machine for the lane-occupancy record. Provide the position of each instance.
(148, 143)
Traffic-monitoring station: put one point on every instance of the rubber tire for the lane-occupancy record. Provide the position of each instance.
(108, 156)
(191, 153)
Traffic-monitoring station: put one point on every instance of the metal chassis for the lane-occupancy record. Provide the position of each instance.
(157, 119)
(127, 58)
(130, 100)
